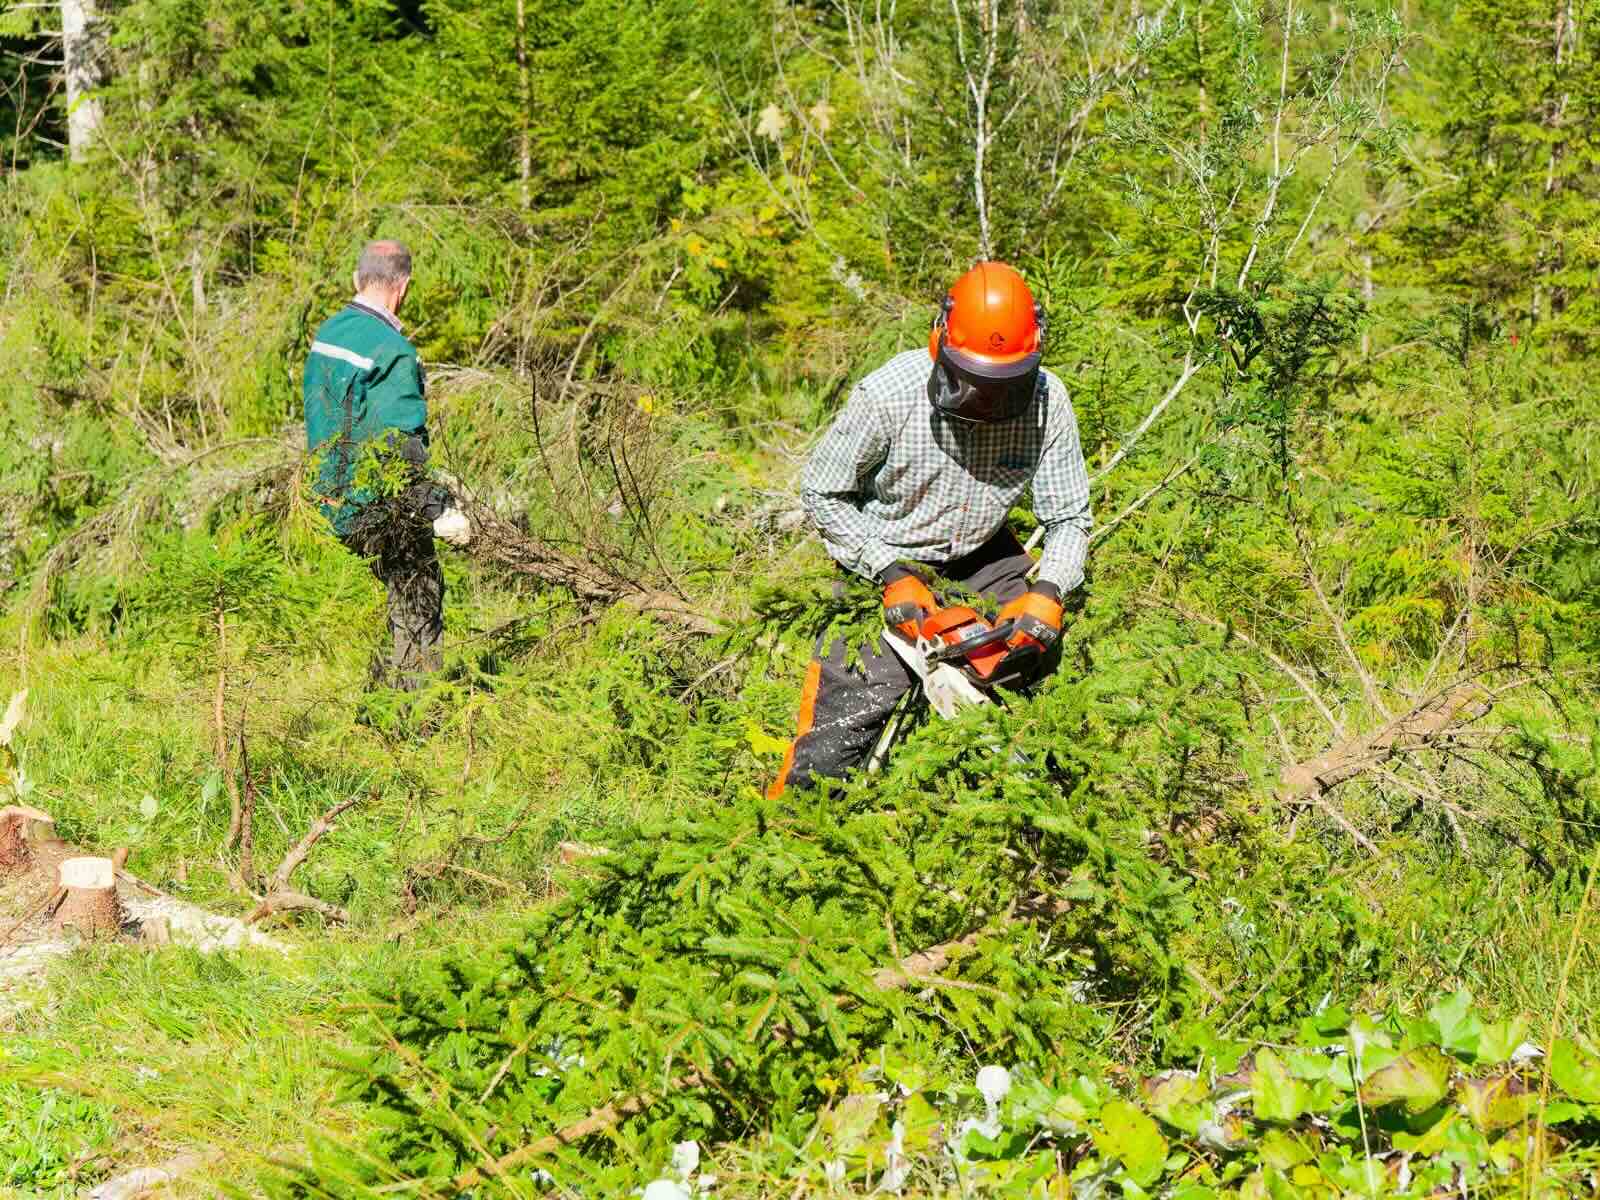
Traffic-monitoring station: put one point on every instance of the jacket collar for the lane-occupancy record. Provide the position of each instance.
(377, 310)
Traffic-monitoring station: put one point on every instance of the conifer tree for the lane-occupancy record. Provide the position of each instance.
(1499, 215)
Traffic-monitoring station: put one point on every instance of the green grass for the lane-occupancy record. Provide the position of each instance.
(131, 1056)
(51, 1139)
(126, 1056)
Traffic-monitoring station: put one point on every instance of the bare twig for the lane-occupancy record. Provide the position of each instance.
(46, 906)
(298, 853)
(1232, 631)
(1149, 494)
(517, 553)
(1190, 368)
(1369, 685)
(247, 813)
(1422, 792)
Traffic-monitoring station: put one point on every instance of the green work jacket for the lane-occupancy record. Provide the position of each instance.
(363, 384)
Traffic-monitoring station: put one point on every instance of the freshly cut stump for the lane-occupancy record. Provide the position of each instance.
(90, 905)
(22, 828)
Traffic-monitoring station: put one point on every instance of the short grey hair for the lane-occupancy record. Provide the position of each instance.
(386, 263)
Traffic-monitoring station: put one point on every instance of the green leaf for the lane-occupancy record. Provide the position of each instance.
(1434, 1140)
(1327, 1028)
(1132, 1138)
(1418, 1077)
(1079, 1100)
(1278, 1095)
(1307, 1064)
(847, 1124)
(1284, 1150)
(1559, 1111)
(1460, 1029)
(1494, 1104)
(1178, 1098)
(1500, 1039)
(1575, 1072)
(763, 743)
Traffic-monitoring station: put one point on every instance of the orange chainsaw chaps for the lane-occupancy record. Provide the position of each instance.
(808, 716)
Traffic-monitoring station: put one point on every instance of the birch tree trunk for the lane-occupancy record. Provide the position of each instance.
(80, 54)
(524, 143)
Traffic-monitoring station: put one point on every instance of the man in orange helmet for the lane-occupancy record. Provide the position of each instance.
(921, 468)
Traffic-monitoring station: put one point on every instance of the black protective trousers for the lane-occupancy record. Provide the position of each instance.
(843, 709)
(397, 543)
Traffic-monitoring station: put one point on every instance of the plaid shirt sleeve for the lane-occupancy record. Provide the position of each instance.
(832, 487)
(1061, 502)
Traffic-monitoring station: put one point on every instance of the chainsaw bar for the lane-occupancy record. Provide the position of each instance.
(945, 686)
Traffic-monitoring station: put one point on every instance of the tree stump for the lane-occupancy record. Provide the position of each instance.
(21, 829)
(90, 905)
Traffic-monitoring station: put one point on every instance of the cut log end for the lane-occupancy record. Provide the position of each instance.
(90, 906)
(21, 829)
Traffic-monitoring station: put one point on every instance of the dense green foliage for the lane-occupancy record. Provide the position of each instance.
(1321, 283)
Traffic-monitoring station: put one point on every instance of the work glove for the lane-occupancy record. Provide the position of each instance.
(1037, 626)
(453, 527)
(906, 601)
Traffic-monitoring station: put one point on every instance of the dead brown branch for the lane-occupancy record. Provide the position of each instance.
(247, 814)
(434, 868)
(1434, 718)
(288, 901)
(45, 906)
(299, 852)
(1321, 801)
(279, 896)
(517, 553)
(919, 966)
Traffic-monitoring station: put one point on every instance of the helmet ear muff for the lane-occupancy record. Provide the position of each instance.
(1044, 324)
(941, 323)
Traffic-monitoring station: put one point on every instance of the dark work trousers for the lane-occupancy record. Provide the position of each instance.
(398, 546)
(843, 710)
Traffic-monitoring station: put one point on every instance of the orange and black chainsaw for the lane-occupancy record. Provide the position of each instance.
(958, 657)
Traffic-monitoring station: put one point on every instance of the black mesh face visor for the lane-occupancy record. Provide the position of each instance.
(967, 394)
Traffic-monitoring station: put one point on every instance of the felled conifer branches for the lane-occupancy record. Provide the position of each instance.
(706, 965)
(524, 556)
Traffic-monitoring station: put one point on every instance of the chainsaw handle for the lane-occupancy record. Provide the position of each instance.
(977, 641)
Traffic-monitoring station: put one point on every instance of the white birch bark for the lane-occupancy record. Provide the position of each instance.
(524, 139)
(80, 53)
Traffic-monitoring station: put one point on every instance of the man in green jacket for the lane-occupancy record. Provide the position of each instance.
(367, 421)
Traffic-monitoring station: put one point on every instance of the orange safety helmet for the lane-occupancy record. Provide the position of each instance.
(986, 344)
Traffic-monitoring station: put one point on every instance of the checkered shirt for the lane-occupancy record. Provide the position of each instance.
(893, 479)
